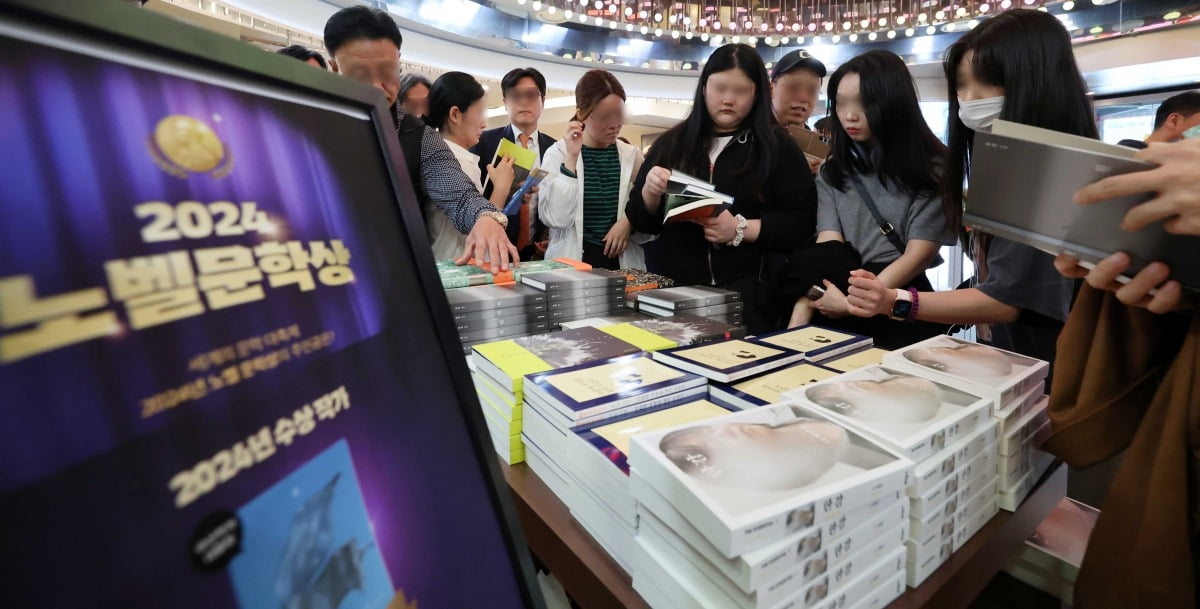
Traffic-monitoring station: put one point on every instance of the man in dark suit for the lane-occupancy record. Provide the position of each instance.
(524, 91)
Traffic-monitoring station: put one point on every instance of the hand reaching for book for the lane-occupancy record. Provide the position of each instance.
(617, 238)
(1149, 289)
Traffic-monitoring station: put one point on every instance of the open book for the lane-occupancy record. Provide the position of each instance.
(689, 198)
(1022, 182)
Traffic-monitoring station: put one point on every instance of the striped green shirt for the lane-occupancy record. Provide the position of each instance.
(601, 188)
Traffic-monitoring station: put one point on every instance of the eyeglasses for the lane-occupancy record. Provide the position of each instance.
(527, 95)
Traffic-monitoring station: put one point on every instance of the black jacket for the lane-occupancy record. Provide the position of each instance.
(489, 141)
(787, 206)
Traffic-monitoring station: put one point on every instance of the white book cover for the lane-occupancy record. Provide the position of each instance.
(867, 578)
(753, 570)
(1001, 376)
(933, 471)
(1020, 433)
(792, 567)
(910, 414)
(742, 478)
(881, 596)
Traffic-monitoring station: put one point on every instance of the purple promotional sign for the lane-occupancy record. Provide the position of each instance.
(215, 357)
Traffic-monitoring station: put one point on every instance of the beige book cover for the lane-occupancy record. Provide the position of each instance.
(854, 361)
(807, 338)
(597, 382)
(728, 354)
(619, 434)
(769, 387)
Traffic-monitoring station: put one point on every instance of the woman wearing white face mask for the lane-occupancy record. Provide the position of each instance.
(1017, 66)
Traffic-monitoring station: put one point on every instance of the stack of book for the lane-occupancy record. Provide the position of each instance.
(766, 389)
(924, 421)
(816, 343)
(729, 361)
(578, 422)
(1014, 384)
(486, 313)
(859, 358)
(481, 273)
(499, 370)
(772, 507)
(572, 294)
(700, 301)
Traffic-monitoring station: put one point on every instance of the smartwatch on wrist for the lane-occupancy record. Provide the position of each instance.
(902, 308)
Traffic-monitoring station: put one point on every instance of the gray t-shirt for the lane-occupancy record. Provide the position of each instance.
(846, 213)
(1023, 277)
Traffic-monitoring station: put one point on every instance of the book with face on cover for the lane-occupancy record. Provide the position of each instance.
(507, 362)
(768, 388)
(1000, 376)
(870, 356)
(816, 343)
(687, 297)
(740, 479)
(909, 414)
(728, 361)
(590, 391)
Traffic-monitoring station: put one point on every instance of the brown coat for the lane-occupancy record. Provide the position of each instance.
(1128, 379)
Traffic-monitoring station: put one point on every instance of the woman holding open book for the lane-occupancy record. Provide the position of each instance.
(583, 204)
(878, 200)
(730, 140)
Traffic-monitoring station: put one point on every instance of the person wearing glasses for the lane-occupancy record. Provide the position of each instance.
(795, 89)
(584, 203)
(365, 45)
(524, 91)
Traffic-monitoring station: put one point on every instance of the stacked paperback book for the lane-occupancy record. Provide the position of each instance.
(776, 507)
(489, 312)
(572, 294)
(1013, 383)
(578, 421)
(476, 273)
(678, 331)
(735, 360)
(699, 301)
(499, 370)
(950, 436)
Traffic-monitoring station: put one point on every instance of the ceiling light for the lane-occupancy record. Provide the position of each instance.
(675, 34)
(795, 27)
(687, 35)
(645, 30)
(737, 40)
(1173, 15)
(902, 18)
(864, 23)
(836, 38)
(972, 24)
(1068, 5)
(716, 25)
(816, 40)
(1099, 29)
(599, 21)
(891, 34)
(939, 15)
(628, 11)
(658, 31)
(521, 2)
(646, 64)
(612, 8)
(657, 17)
(671, 19)
(551, 9)
(1005, 4)
(828, 26)
(882, 22)
(853, 37)
(909, 32)
(567, 14)
(628, 27)
(613, 25)
(704, 37)
(537, 6)
(923, 17)
(983, 8)
(753, 41)
(687, 20)
(961, 12)
(872, 36)
(930, 30)
(687, 65)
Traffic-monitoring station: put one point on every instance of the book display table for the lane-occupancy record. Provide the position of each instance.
(595, 581)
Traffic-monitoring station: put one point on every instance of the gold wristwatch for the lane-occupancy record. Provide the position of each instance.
(495, 215)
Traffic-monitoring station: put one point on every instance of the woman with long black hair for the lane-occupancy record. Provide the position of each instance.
(730, 139)
(1018, 66)
(878, 197)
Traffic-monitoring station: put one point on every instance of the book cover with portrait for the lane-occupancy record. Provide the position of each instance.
(910, 414)
(747, 479)
(1001, 376)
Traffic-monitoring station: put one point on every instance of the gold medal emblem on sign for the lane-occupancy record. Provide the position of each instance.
(183, 145)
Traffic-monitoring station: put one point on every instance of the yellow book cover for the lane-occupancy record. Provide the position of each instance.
(618, 434)
(642, 339)
(854, 361)
(514, 360)
(769, 386)
(728, 355)
(522, 157)
(805, 339)
(611, 379)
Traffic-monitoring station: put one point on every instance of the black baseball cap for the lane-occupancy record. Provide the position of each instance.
(797, 60)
